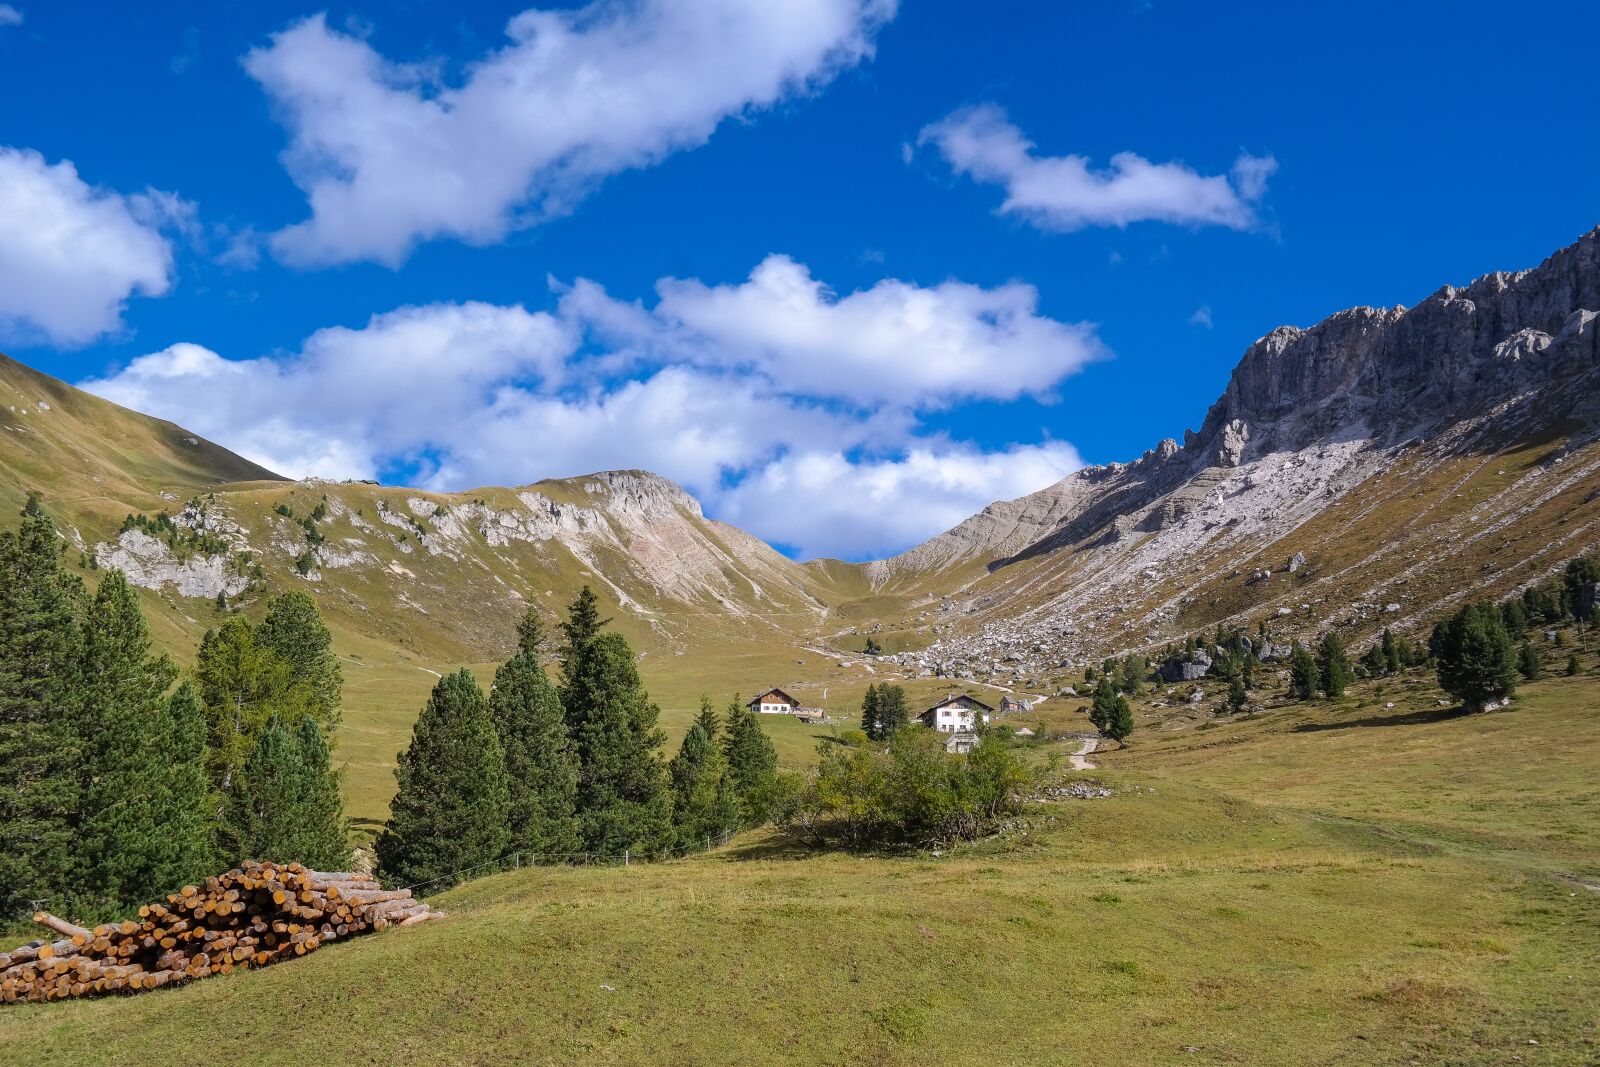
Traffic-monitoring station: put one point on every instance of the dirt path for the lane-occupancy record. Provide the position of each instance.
(1079, 763)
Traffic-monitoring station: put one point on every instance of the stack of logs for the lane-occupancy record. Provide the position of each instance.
(252, 916)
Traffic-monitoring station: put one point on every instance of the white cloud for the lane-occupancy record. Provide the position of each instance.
(1065, 193)
(10, 16)
(389, 157)
(823, 504)
(474, 394)
(895, 343)
(71, 255)
(1201, 317)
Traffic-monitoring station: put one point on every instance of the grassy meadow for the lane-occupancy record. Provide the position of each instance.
(1340, 883)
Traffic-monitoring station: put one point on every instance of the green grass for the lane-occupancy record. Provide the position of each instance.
(1358, 893)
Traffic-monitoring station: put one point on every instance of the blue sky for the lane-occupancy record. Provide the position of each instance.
(394, 240)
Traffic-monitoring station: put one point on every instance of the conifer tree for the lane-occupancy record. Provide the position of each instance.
(1103, 709)
(752, 763)
(451, 810)
(1528, 661)
(324, 839)
(531, 633)
(893, 712)
(1333, 666)
(705, 802)
(583, 625)
(623, 798)
(1476, 660)
(1574, 666)
(1304, 678)
(1373, 661)
(263, 809)
(1238, 696)
(708, 720)
(39, 752)
(1120, 725)
(541, 769)
(870, 719)
(242, 685)
(1134, 670)
(190, 806)
(125, 730)
(296, 634)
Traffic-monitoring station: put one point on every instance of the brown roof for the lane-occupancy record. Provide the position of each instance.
(961, 700)
(761, 698)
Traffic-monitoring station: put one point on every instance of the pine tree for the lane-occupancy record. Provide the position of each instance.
(1394, 658)
(531, 633)
(324, 838)
(708, 720)
(893, 711)
(263, 810)
(1578, 583)
(583, 625)
(1120, 724)
(1304, 678)
(296, 634)
(1135, 668)
(705, 802)
(125, 729)
(189, 805)
(541, 769)
(1238, 696)
(1515, 618)
(39, 751)
(623, 799)
(1476, 660)
(1528, 661)
(870, 717)
(1574, 667)
(452, 807)
(1373, 661)
(1103, 709)
(242, 685)
(752, 763)
(1333, 666)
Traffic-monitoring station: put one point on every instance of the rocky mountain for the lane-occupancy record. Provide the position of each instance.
(1408, 456)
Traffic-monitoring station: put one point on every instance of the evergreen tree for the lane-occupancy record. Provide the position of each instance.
(1476, 660)
(870, 718)
(221, 603)
(1135, 669)
(242, 685)
(296, 634)
(125, 728)
(583, 625)
(1238, 696)
(1394, 658)
(1120, 724)
(531, 633)
(1333, 666)
(1104, 707)
(39, 752)
(325, 832)
(1574, 667)
(1577, 586)
(264, 805)
(1304, 678)
(541, 769)
(1528, 661)
(1515, 618)
(708, 720)
(623, 799)
(752, 763)
(705, 801)
(1373, 661)
(893, 712)
(453, 804)
(189, 805)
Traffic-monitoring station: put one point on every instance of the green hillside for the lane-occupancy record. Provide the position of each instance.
(1330, 884)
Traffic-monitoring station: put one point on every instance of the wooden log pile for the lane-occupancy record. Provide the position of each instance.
(252, 916)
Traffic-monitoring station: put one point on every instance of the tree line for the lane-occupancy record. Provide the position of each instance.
(119, 780)
(570, 770)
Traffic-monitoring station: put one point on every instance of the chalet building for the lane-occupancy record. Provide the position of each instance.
(956, 715)
(1009, 704)
(775, 702)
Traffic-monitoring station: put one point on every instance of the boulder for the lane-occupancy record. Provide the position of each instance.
(1186, 669)
(1297, 561)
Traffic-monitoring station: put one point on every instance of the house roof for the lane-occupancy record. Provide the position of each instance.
(961, 700)
(761, 698)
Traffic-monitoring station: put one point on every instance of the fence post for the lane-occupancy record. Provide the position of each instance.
(627, 856)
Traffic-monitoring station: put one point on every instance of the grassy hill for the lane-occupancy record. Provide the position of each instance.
(1345, 883)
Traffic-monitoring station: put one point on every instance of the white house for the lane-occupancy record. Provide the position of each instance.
(956, 715)
(774, 702)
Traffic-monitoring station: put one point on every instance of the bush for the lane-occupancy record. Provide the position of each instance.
(914, 793)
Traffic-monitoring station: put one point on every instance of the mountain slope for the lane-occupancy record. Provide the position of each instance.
(1413, 456)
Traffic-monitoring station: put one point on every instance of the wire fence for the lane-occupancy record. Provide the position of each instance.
(516, 860)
